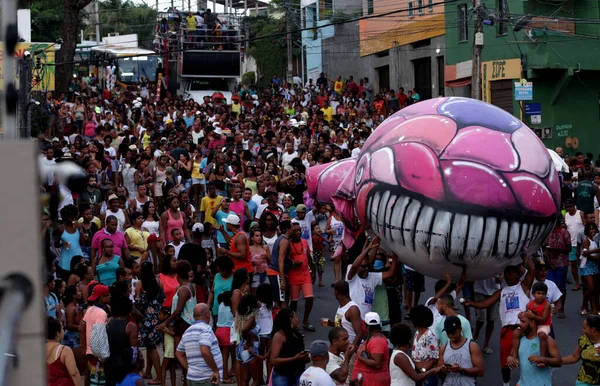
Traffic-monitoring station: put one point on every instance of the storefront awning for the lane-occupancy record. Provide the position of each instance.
(458, 82)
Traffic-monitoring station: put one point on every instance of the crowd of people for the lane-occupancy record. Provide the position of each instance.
(195, 238)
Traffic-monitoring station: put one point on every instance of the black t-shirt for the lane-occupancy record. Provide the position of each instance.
(196, 256)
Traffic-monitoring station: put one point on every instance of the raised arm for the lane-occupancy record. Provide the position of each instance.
(528, 280)
(366, 249)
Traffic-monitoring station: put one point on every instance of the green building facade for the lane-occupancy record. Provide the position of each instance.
(556, 48)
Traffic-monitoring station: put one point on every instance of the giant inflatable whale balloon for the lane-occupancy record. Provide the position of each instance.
(447, 181)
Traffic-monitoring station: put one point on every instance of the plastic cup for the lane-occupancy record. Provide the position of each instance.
(324, 322)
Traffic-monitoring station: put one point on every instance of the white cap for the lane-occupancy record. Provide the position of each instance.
(198, 227)
(233, 219)
(138, 99)
(372, 319)
(218, 131)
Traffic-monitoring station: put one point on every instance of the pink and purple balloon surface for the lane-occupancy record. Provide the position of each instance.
(447, 181)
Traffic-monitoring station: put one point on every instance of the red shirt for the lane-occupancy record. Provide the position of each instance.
(402, 99)
(539, 311)
(238, 263)
(299, 252)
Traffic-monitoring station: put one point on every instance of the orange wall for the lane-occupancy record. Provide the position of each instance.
(383, 33)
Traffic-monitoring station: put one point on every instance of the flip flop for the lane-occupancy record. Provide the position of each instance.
(309, 328)
(157, 382)
(576, 289)
(321, 284)
(583, 312)
(228, 382)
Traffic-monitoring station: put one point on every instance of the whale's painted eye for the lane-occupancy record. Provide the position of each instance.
(360, 172)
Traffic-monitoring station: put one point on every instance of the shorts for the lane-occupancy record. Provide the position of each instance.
(489, 314)
(284, 380)
(468, 290)
(223, 335)
(506, 345)
(169, 347)
(196, 181)
(415, 281)
(306, 288)
(573, 254)
(202, 382)
(96, 371)
(319, 260)
(559, 277)
(590, 269)
(275, 282)
(258, 279)
(544, 328)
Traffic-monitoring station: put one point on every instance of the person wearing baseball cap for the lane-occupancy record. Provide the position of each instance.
(94, 314)
(373, 356)
(239, 249)
(114, 210)
(461, 362)
(316, 375)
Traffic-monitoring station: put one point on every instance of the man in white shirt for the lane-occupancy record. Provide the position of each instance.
(340, 354)
(177, 242)
(305, 219)
(316, 375)
(289, 155)
(554, 294)
(260, 192)
(362, 282)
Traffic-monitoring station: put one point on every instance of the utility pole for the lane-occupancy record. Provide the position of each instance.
(96, 10)
(477, 47)
(24, 88)
(288, 20)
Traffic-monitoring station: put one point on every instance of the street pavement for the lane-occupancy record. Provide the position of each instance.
(567, 331)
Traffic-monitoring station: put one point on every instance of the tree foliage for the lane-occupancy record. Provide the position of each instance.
(127, 17)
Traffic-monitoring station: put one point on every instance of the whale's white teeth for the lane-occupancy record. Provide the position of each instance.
(441, 225)
(410, 221)
(475, 236)
(459, 233)
(502, 242)
(456, 236)
(513, 236)
(489, 237)
(424, 223)
(397, 213)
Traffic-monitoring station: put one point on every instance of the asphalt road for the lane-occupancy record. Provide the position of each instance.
(567, 331)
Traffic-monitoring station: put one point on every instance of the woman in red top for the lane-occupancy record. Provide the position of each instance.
(168, 279)
(60, 361)
(373, 356)
(301, 274)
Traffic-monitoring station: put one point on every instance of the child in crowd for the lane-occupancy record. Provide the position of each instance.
(248, 350)
(168, 363)
(538, 309)
(223, 331)
(318, 237)
(260, 256)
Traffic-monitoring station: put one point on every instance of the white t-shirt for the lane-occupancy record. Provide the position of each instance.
(486, 286)
(306, 225)
(286, 158)
(335, 363)
(362, 291)
(513, 300)
(258, 199)
(177, 248)
(262, 207)
(553, 292)
(315, 376)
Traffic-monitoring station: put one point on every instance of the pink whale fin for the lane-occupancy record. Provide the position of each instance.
(324, 180)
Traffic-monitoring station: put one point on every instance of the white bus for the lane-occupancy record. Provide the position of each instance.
(130, 65)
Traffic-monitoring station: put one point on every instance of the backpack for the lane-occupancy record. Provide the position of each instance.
(99, 341)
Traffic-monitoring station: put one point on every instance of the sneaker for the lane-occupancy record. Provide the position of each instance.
(488, 350)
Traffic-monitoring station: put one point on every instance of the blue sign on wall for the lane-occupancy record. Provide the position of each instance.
(523, 91)
(533, 109)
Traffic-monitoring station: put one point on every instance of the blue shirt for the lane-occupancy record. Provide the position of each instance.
(252, 207)
(197, 335)
(129, 380)
(530, 373)
(220, 217)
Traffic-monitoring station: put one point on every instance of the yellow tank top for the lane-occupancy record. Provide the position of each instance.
(146, 140)
(196, 173)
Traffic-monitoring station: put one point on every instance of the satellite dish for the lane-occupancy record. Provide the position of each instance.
(522, 23)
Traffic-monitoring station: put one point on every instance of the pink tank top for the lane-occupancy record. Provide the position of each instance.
(90, 129)
(173, 223)
(259, 262)
(238, 208)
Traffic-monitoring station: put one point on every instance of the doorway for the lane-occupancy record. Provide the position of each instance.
(383, 73)
(422, 69)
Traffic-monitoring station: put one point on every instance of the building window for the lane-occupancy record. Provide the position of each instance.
(313, 22)
(430, 5)
(420, 6)
(502, 10)
(369, 7)
(463, 31)
(411, 11)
